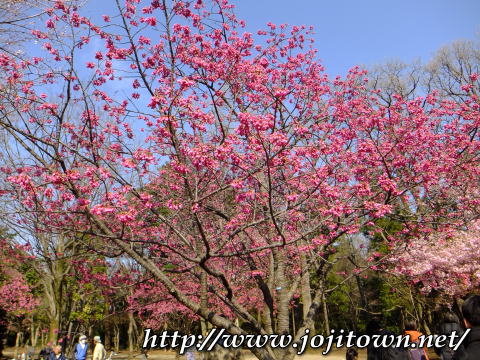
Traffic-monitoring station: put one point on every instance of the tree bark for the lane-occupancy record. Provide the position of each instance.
(325, 314)
(18, 340)
(35, 338)
(267, 317)
(54, 329)
(203, 300)
(290, 353)
(283, 311)
(306, 290)
(32, 332)
(116, 338)
(132, 332)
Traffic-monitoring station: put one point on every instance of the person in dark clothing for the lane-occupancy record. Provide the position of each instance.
(449, 324)
(374, 327)
(57, 353)
(389, 353)
(352, 354)
(471, 317)
(45, 353)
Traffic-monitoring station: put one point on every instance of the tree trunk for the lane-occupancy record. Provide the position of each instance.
(422, 321)
(132, 332)
(283, 318)
(108, 334)
(203, 300)
(429, 320)
(317, 300)
(267, 316)
(69, 346)
(18, 341)
(35, 338)
(108, 324)
(116, 338)
(293, 321)
(54, 329)
(70, 330)
(306, 294)
(325, 314)
(361, 290)
(33, 332)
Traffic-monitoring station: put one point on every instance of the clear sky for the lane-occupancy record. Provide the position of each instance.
(360, 32)
(367, 32)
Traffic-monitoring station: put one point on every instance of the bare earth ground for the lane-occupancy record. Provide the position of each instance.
(337, 354)
(170, 355)
(333, 355)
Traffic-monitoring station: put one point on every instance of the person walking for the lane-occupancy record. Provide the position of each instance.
(57, 353)
(99, 352)
(374, 327)
(470, 349)
(81, 348)
(450, 324)
(415, 353)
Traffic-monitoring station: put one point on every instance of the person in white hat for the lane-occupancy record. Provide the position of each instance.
(99, 352)
(81, 348)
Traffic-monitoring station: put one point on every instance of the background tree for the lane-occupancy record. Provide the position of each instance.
(452, 72)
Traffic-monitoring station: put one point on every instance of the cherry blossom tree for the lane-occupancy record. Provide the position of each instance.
(17, 300)
(225, 164)
(447, 262)
(16, 297)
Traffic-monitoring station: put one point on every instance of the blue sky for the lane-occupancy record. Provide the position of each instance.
(349, 32)
(368, 32)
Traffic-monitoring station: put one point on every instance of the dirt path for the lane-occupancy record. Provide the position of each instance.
(333, 355)
(169, 355)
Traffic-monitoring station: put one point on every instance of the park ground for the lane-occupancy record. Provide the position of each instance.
(337, 354)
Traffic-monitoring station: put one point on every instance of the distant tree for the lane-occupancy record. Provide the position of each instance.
(452, 72)
(396, 78)
(455, 69)
(16, 18)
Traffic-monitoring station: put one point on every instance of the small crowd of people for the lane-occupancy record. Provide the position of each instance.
(468, 350)
(80, 351)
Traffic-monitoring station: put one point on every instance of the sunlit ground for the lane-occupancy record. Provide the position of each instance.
(338, 354)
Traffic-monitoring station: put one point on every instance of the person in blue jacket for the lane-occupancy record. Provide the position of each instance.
(81, 348)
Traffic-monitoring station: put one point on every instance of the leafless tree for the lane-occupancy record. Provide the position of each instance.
(452, 67)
